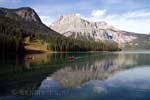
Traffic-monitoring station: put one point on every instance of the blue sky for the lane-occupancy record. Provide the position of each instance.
(130, 15)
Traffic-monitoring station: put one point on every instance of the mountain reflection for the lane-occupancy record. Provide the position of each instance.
(29, 73)
(98, 67)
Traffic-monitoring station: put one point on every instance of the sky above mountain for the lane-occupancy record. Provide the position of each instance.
(129, 15)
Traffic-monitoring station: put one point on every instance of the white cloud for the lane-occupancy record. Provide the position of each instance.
(98, 13)
(78, 14)
(46, 20)
(136, 21)
(133, 25)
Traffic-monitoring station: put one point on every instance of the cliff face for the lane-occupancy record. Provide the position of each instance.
(25, 13)
(26, 19)
(18, 24)
(76, 27)
(28, 14)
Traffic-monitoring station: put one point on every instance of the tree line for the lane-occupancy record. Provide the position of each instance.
(70, 44)
(12, 41)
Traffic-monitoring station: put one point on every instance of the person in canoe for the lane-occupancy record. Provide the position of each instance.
(29, 58)
(71, 59)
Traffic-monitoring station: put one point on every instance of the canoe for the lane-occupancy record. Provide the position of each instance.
(71, 59)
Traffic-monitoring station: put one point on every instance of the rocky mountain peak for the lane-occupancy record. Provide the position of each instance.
(69, 17)
(28, 14)
(73, 22)
(25, 13)
(74, 26)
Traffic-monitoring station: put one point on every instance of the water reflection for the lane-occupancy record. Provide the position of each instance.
(92, 75)
(128, 84)
(94, 68)
(116, 75)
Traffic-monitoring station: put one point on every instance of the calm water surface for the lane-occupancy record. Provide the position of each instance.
(92, 76)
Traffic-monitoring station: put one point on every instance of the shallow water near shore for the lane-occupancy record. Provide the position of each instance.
(91, 76)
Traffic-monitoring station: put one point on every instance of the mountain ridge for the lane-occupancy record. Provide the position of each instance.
(22, 28)
(26, 17)
(74, 26)
(26, 13)
(89, 30)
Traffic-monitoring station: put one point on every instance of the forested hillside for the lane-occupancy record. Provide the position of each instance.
(17, 24)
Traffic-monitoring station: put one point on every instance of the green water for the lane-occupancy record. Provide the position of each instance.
(91, 76)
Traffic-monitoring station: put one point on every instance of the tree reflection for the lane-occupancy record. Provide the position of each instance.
(94, 68)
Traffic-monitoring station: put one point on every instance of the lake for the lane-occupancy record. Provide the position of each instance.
(91, 76)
